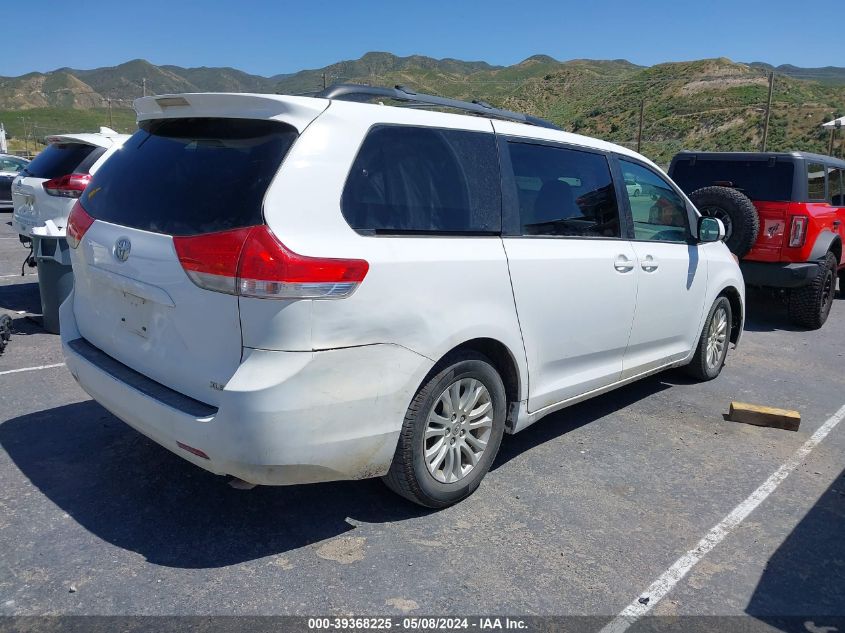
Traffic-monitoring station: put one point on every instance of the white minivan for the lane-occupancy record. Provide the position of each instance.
(295, 289)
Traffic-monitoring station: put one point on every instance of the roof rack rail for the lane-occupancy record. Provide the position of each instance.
(359, 92)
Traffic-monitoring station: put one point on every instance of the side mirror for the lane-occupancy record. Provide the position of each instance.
(710, 229)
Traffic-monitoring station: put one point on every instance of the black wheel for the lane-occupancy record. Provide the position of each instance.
(735, 210)
(709, 357)
(451, 433)
(810, 305)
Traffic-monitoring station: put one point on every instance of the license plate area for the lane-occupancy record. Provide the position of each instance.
(135, 314)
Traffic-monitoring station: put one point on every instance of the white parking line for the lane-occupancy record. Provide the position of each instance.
(672, 576)
(17, 371)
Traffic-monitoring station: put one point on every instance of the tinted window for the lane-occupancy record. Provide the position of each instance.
(835, 184)
(759, 180)
(190, 176)
(564, 192)
(659, 213)
(815, 181)
(423, 180)
(11, 164)
(59, 159)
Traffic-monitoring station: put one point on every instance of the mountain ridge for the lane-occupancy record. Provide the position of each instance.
(701, 104)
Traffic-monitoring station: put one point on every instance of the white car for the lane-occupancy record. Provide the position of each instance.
(46, 189)
(293, 289)
(634, 188)
(10, 167)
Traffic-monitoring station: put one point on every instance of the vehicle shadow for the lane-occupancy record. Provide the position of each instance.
(803, 580)
(576, 416)
(765, 313)
(134, 494)
(17, 297)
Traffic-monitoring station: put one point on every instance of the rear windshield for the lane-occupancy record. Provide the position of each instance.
(60, 159)
(759, 180)
(190, 176)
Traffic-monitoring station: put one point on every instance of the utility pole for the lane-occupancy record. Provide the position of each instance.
(25, 138)
(640, 127)
(110, 121)
(144, 84)
(765, 142)
(324, 81)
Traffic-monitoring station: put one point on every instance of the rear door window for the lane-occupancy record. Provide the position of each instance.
(60, 159)
(417, 180)
(190, 176)
(564, 192)
(836, 182)
(815, 181)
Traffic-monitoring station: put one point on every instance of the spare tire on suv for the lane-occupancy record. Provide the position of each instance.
(735, 210)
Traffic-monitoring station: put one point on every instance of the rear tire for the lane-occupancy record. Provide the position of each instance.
(737, 213)
(433, 464)
(810, 305)
(712, 349)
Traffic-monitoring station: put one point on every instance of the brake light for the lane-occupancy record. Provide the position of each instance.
(798, 231)
(252, 262)
(78, 223)
(68, 186)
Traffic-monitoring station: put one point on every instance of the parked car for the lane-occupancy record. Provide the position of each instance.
(292, 289)
(45, 190)
(10, 167)
(784, 215)
(634, 188)
(43, 195)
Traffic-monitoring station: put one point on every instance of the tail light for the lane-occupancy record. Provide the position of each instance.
(252, 262)
(798, 231)
(78, 223)
(69, 186)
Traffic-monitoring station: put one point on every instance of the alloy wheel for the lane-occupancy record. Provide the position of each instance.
(717, 337)
(458, 430)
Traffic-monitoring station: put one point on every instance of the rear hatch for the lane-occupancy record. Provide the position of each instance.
(767, 180)
(44, 211)
(176, 178)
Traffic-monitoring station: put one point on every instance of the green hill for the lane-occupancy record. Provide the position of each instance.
(706, 104)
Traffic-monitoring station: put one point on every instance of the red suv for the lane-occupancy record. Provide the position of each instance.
(784, 216)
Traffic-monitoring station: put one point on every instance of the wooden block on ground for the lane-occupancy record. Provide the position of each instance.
(758, 415)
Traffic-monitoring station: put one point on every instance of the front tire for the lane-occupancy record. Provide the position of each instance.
(810, 305)
(712, 349)
(451, 433)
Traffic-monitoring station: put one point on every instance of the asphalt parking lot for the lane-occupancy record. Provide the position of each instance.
(580, 514)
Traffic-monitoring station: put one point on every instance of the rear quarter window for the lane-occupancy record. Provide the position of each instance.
(190, 176)
(60, 159)
(758, 179)
(424, 180)
(816, 181)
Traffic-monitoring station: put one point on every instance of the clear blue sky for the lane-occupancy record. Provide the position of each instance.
(266, 37)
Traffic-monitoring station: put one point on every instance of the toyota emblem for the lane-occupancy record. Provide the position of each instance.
(121, 249)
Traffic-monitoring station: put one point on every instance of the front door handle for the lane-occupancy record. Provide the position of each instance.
(623, 264)
(649, 264)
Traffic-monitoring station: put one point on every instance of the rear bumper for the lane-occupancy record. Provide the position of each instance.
(283, 418)
(778, 275)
